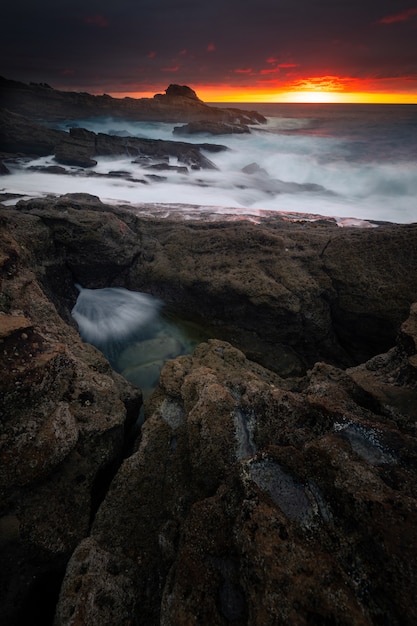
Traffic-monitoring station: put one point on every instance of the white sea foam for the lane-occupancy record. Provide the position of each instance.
(297, 170)
(129, 329)
(113, 313)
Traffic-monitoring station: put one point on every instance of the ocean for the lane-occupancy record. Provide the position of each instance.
(351, 162)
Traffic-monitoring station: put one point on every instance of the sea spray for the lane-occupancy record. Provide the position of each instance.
(132, 332)
(109, 318)
(333, 160)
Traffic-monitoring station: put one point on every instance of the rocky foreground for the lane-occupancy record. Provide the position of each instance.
(274, 480)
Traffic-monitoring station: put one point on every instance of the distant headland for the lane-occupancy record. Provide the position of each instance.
(179, 103)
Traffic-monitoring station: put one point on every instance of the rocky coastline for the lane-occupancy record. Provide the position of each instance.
(28, 114)
(179, 103)
(274, 479)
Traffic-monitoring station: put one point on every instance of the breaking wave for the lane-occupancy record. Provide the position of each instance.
(302, 161)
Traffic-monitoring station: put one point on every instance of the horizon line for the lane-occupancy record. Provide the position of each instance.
(230, 95)
(289, 97)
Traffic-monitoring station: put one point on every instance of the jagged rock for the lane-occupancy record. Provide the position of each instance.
(3, 169)
(19, 134)
(79, 147)
(257, 492)
(288, 294)
(274, 506)
(254, 168)
(182, 91)
(64, 418)
(178, 104)
(50, 169)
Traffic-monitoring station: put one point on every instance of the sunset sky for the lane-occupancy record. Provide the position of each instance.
(226, 50)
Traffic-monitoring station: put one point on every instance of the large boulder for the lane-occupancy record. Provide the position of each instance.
(251, 503)
(65, 416)
(182, 91)
(286, 293)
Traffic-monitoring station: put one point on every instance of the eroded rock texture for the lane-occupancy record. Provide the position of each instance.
(274, 479)
(64, 414)
(250, 503)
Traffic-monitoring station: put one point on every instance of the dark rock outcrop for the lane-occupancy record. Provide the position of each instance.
(20, 135)
(249, 503)
(181, 91)
(286, 293)
(64, 419)
(3, 169)
(178, 104)
(257, 492)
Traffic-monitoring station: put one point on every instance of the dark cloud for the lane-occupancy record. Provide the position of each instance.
(145, 44)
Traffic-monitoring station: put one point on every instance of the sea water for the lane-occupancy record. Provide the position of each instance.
(345, 161)
(134, 332)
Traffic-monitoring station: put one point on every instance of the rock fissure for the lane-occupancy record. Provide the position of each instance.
(269, 491)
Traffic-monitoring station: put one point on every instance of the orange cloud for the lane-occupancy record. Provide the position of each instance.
(403, 16)
(172, 68)
(151, 55)
(243, 70)
(211, 47)
(320, 83)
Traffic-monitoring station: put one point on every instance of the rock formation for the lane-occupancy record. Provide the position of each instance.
(20, 135)
(178, 104)
(274, 479)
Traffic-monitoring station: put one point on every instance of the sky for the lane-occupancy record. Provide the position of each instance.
(226, 50)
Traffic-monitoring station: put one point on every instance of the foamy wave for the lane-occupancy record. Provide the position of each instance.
(282, 167)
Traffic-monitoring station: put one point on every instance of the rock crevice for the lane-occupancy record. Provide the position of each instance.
(274, 478)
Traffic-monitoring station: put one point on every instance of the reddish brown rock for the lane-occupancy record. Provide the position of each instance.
(249, 498)
(249, 503)
(64, 416)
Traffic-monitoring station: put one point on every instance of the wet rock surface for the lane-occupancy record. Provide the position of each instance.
(28, 111)
(274, 478)
(21, 135)
(264, 509)
(64, 419)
